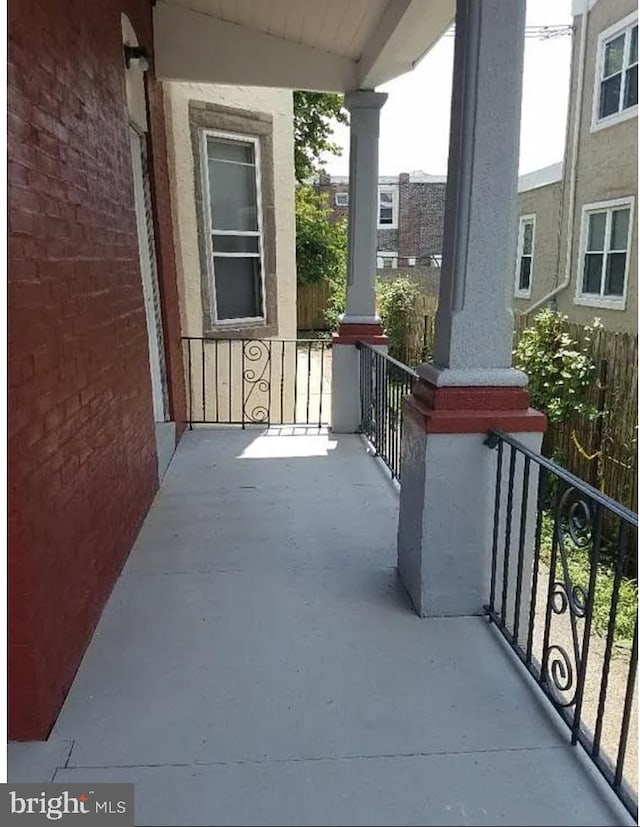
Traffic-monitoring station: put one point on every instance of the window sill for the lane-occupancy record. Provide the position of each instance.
(612, 120)
(522, 294)
(601, 302)
(258, 329)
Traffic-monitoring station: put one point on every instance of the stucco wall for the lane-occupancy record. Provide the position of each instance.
(279, 104)
(606, 169)
(545, 204)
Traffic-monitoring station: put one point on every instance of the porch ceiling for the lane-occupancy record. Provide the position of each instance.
(298, 44)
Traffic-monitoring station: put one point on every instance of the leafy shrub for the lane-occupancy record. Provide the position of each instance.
(321, 247)
(560, 370)
(396, 305)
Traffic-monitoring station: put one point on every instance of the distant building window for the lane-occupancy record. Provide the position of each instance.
(412, 262)
(616, 92)
(387, 260)
(524, 260)
(604, 259)
(387, 208)
(342, 199)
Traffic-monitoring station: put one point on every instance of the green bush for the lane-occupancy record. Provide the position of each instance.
(560, 370)
(321, 247)
(396, 305)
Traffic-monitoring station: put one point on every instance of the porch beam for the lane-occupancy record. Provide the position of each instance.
(194, 47)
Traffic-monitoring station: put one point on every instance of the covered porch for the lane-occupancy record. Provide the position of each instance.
(259, 663)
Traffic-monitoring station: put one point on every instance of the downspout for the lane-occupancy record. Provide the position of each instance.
(572, 171)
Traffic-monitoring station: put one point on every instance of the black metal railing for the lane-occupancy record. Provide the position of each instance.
(559, 596)
(384, 382)
(257, 381)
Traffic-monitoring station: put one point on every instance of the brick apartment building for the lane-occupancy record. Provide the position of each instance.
(410, 216)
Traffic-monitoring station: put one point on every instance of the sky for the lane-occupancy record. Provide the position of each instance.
(414, 122)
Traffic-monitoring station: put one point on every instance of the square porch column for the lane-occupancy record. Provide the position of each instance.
(360, 321)
(448, 474)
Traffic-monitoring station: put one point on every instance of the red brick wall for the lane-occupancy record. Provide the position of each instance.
(82, 464)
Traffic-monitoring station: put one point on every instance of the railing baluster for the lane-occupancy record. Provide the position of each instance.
(204, 392)
(269, 389)
(231, 382)
(507, 535)
(626, 715)
(216, 342)
(521, 542)
(322, 348)
(308, 378)
(542, 493)
(621, 548)
(496, 530)
(282, 412)
(190, 385)
(295, 384)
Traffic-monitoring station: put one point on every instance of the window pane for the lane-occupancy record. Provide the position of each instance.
(614, 282)
(233, 196)
(610, 96)
(386, 215)
(631, 87)
(222, 150)
(235, 244)
(386, 198)
(238, 288)
(592, 273)
(613, 56)
(524, 282)
(597, 225)
(619, 229)
(633, 48)
(527, 239)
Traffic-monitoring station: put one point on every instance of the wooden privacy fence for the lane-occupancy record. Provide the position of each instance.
(312, 302)
(603, 451)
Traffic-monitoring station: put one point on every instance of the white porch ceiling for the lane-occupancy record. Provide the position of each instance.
(332, 45)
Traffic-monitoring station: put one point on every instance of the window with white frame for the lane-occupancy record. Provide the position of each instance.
(604, 260)
(342, 199)
(234, 217)
(616, 92)
(524, 260)
(386, 260)
(387, 208)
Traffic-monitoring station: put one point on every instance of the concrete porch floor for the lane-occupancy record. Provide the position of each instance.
(258, 663)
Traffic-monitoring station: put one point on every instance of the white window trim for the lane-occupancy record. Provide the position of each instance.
(625, 114)
(605, 302)
(209, 232)
(390, 256)
(337, 203)
(524, 294)
(394, 207)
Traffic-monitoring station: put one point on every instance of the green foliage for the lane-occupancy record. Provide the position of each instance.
(396, 305)
(578, 564)
(321, 247)
(337, 302)
(314, 114)
(560, 370)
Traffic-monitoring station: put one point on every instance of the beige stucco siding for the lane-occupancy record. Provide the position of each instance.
(279, 105)
(544, 203)
(606, 169)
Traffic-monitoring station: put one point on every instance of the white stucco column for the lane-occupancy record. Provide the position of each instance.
(474, 323)
(360, 321)
(448, 473)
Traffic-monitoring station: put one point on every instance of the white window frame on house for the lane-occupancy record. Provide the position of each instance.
(625, 27)
(394, 207)
(602, 300)
(210, 232)
(518, 292)
(382, 257)
(342, 199)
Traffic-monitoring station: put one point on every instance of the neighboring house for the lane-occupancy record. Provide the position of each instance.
(577, 240)
(410, 214)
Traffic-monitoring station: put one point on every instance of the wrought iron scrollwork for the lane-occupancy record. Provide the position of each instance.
(254, 381)
(562, 668)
